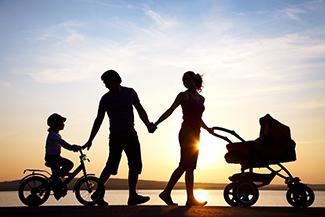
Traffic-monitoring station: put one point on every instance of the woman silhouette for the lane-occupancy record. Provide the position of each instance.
(192, 104)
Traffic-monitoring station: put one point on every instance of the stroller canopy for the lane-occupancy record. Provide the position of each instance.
(274, 145)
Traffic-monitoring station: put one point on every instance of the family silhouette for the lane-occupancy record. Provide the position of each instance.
(273, 147)
(118, 103)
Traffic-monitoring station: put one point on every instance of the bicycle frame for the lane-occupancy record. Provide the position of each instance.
(80, 168)
(66, 181)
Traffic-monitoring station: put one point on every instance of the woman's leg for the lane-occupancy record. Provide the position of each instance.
(189, 182)
(178, 172)
(165, 195)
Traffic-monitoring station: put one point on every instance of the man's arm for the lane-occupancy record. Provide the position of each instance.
(142, 113)
(97, 123)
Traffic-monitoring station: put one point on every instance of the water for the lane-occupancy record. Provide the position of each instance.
(119, 197)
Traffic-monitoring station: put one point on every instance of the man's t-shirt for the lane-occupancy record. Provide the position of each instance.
(119, 108)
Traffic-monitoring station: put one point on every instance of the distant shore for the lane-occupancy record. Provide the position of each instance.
(159, 211)
(122, 184)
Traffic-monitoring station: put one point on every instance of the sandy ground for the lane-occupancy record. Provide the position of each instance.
(160, 211)
(152, 211)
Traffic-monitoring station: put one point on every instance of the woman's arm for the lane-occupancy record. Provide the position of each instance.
(169, 111)
(204, 126)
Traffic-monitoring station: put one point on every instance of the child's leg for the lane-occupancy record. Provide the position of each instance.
(65, 165)
(52, 161)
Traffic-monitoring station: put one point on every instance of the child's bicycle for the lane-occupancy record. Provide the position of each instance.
(35, 188)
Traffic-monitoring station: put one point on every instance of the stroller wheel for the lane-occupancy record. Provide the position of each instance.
(246, 193)
(229, 195)
(300, 196)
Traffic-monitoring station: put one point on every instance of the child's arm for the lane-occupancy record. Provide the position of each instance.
(66, 145)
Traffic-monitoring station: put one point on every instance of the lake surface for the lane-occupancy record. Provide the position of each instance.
(119, 197)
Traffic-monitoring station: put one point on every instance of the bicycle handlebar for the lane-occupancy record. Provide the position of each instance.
(82, 155)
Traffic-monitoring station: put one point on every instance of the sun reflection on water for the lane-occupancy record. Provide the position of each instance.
(201, 194)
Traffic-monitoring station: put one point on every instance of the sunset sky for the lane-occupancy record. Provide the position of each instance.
(256, 57)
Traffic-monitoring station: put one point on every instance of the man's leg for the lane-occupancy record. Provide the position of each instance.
(104, 176)
(111, 167)
(133, 153)
(133, 180)
(134, 198)
(100, 192)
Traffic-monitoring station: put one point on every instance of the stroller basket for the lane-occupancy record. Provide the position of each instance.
(262, 179)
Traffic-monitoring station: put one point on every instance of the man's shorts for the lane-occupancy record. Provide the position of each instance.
(129, 143)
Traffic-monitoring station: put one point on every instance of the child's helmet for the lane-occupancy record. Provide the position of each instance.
(55, 118)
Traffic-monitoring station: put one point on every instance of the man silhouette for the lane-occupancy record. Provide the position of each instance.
(118, 103)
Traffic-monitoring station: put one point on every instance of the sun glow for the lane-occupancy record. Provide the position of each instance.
(211, 151)
(201, 194)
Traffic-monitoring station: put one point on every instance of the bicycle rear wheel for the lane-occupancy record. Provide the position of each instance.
(34, 191)
(85, 188)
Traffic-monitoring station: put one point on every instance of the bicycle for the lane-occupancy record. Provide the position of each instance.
(35, 188)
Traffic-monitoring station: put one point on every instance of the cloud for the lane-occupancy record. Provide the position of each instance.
(214, 48)
(66, 31)
(5, 84)
(59, 75)
(293, 13)
(74, 37)
(267, 58)
(163, 22)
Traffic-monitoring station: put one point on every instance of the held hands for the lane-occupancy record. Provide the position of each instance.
(151, 127)
(75, 148)
(87, 145)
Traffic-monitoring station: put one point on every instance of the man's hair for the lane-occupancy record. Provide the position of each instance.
(111, 75)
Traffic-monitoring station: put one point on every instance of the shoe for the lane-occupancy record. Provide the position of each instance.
(196, 203)
(95, 196)
(59, 189)
(167, 199)
(99, 199)
(137, 199)
(101, 202)
(57, 195)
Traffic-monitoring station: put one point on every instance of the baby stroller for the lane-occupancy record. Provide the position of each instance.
(273, 147)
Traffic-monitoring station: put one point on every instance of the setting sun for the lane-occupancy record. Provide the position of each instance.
(211, 151)
(201, 194)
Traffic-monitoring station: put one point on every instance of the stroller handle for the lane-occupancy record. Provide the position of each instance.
(232, 132)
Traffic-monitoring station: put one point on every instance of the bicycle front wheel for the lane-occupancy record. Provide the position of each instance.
(34, 191)
(85, 188)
